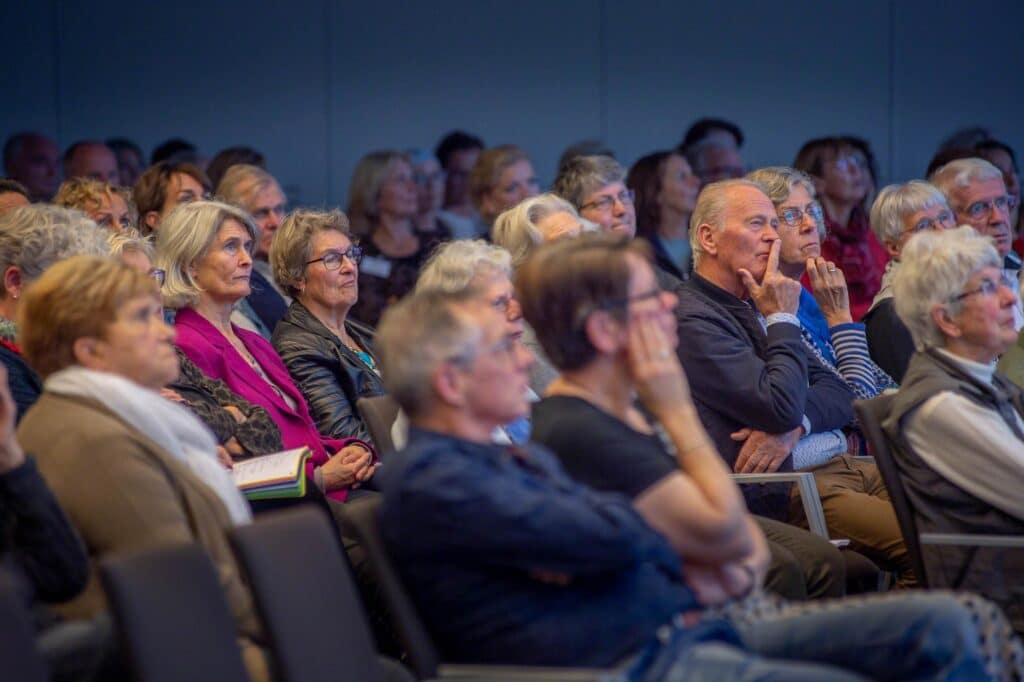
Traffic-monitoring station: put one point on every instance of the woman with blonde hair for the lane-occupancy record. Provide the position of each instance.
(501, 178)
(109, 206)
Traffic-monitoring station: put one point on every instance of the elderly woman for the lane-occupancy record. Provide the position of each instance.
(33, 238)
(899, 213)
(105, 204)
(825, 319)
(665, 190)
(960, 423)
(131, 469)
(501, 178)
(382, 205)
(205, 249)
(329, 356)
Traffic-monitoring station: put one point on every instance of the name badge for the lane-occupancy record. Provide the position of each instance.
(373, 265)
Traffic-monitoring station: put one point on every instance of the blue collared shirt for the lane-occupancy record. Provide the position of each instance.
(474, 526)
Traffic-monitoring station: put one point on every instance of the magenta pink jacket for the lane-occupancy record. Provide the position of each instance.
(217, 358)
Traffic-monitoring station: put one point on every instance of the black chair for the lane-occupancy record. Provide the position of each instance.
(171, 616)
(379, 413)
(871, 414)
(307, 599)
(19, 659)
(422, 656)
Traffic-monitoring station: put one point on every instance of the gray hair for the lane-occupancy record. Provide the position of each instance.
(184, 237)
(34, 237)
(960, 173)
(130, 241)
(934, 269)
(293, 244)
(454, 266)
(710, 209)
(241, 183)
(896, 202)
(779, 181)
(516, 230)
(584, 175)
(415, 336)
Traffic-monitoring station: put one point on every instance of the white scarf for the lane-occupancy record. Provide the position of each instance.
(171, 426)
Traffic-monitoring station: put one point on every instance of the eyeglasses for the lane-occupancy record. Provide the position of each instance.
(986, 288)
(794, 216)
(605, 204)
(981, 209)
(159, 275)
(941, 221)
(332, 259)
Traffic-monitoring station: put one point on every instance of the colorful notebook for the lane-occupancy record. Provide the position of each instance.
(282, 474)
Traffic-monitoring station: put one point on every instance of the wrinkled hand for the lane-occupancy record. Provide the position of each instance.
(11, 454)
(224, 457)
(349, 467)
(654, 366)
(763, 452)
(776, 293)
(714, 586)
(828, 284)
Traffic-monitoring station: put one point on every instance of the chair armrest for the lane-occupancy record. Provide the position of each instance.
(971, 540)
(511, 673)
(808, 494)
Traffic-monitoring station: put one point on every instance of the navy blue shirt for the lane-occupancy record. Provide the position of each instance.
(471, 525)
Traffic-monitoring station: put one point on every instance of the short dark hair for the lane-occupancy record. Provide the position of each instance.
(150, 191)
(453, 142)
(644, 179)
(991, 145)
(13, 144)
(947, 155)
(703, 127)
(233, 156)
(8, 186)
(175, 149)
(119, 144)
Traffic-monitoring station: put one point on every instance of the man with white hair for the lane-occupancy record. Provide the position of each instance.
(977, 194)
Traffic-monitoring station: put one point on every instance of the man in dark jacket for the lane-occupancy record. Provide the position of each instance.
(764, 400)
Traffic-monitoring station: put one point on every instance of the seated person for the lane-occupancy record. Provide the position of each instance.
(91, 159)
(429, 178)
(825, 320)
(13, 195)
(957, 421)
(501, 177)
(665, 192)
(205, 249)
(510, 561)
(589, 419)
(457, 152)
(32, 239)
(104, 203)
(328, 354)
(899, 213)
(766, 401)
(165, 185)
(131, 469)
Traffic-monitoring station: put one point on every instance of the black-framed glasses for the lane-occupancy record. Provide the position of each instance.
(159, 275)
(606, 203)
(942, 221)
(794, 216)
(982, 209)
(986, 288)
(332, 258)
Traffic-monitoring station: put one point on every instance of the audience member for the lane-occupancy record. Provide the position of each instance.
(91, 159)
(1001, 155)
(841, 179)
(381, 208)
(899, 213)
(612, 332)
(233, 156)
(827, 326)
(510, 561)
(205, 249)
(765, 399)
(162, 187)
(457, 152)
(329, 356)
(957, 420)
(102, 202)
(966, 138)
(33, 238)
(130, 160)
(255, 191)
(429, 178)
(665, 191)
(501, 178)
(176, 150)
(866, 158)
(33, 160)
(94, 329)
(12, 195)
(592, 147)
(712, 147)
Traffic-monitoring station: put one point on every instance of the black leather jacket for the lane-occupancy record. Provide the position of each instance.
(330, 375)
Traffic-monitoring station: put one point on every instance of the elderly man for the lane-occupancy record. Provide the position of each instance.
(13, 195)
(510, 561)
(765, 400)
(977, 194)
(958, 422)
(899, 213)
(596, 186)
(257, 192)
(93, 160)
(34, 161)
(162, 187)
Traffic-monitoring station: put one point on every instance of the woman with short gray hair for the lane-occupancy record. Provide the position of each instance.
(329, 356)
(530, 223)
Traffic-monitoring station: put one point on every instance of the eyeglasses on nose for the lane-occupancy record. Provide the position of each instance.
(332, 258)
(795, 216)
(606, 203)
(981, 209)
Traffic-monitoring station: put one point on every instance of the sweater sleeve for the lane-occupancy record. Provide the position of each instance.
(864, 377)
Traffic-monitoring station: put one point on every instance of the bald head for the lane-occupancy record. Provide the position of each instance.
(33, 160)
(93, 160)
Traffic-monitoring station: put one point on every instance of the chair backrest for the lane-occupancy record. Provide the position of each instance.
(306, 597)
(19, 659)
(870, 415)
(379, 413)
(171, 615)
(406, 622)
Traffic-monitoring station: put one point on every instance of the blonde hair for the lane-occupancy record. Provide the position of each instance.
(488, 169)
(364, 190)
(84, 194)
(130, 241)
